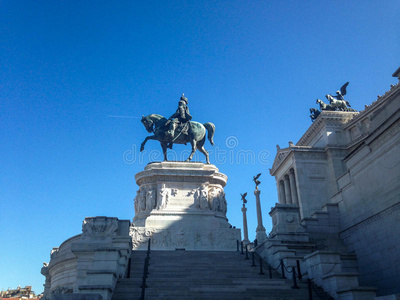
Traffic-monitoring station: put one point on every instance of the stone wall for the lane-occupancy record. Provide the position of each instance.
(376, 243)
(369, 200)
(88, 265)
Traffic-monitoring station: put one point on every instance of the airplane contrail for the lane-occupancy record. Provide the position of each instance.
(126, 117)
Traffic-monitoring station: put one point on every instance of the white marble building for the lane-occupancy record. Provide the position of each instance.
(339, 201)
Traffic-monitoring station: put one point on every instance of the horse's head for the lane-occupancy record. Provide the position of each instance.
(329, 97)
(319, 101)
(148, 124)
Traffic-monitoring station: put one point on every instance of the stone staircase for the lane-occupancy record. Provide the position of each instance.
(203, 275)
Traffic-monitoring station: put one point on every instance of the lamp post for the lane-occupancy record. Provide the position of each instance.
(245, 230)
(261, 236)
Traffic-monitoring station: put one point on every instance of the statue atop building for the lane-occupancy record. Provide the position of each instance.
(336, 103)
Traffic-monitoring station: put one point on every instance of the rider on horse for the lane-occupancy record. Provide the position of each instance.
(180, 119)
(338, 96)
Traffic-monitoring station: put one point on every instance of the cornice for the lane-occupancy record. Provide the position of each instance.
(380, 101)
(332, 118)
(299, 151)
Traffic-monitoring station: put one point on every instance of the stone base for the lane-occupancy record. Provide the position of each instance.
(182, 205)
(358, 293)
(188, 238)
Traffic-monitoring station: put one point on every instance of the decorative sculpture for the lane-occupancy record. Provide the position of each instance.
(178, 129)
(163, 197)
(339, 94)
(256, 181)
(324, 106)
(201, 197)
(336, 102)
(214, 199)
(244, 198)
(142, 199)
(150, 200)
(223, 207)
(314, 113)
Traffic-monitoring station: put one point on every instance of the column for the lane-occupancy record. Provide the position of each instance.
(261, 236)
(293, 190)
(287, 190)
(281, 192)
(245, 231)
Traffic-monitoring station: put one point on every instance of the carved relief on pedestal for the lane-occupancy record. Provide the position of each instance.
(213, 198)
(136, 202)
(150, 200)
(99, 227)
(62, 290)
(145, 200)
(201, 197)
(140, 200)
(140, 235)
(164, 195)
(177, 237)
(222, 202)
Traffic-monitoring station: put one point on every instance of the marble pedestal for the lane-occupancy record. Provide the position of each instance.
(286, 223)
(182, 205)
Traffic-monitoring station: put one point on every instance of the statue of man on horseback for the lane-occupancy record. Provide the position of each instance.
(178, 129)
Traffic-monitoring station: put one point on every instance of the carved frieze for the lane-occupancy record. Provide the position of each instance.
(310, 155)
(201, 197)
(99, 227)
(184, 237)
(330, 118)
(389, 134)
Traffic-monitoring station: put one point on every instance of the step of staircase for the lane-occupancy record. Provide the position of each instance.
(202, 275)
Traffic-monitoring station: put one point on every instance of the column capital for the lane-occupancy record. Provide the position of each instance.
(257, 192)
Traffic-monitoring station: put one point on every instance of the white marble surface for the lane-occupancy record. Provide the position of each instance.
(182, 205)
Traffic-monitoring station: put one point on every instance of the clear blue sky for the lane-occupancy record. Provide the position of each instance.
(76, 76)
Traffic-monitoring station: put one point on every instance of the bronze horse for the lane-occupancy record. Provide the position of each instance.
(196, 135)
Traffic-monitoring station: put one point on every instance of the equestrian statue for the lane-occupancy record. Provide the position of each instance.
(178, 129)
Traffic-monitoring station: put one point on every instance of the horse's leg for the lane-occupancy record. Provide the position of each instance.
(164, 147)
(193, 143)
(204, 151)
(151, 137)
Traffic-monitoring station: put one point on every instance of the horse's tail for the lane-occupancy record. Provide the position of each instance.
(211, 130)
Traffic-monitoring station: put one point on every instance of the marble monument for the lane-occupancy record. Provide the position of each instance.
(182, 205)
